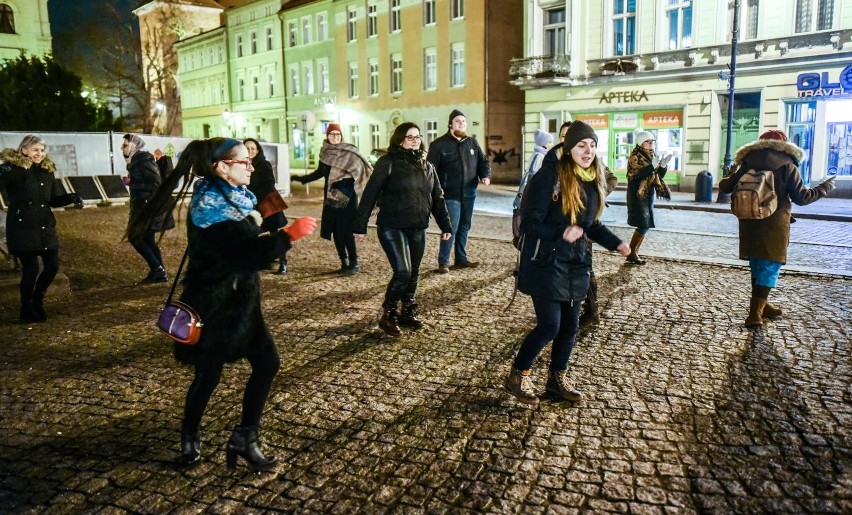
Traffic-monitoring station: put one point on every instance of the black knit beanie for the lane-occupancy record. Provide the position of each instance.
(577, 132)
(455, 113)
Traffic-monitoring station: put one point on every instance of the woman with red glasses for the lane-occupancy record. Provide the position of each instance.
(345, 172)
(226, 248)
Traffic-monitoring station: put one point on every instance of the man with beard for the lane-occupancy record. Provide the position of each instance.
(461, 167)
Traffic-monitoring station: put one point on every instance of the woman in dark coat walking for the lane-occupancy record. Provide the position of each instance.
(226, 249)
(262, 184)
(764, 242)
(346, 172)
(406, 188)
(561, 210)
(32, 189)
(645, 173)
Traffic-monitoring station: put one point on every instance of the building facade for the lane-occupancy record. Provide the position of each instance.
(662, 66)
(24, 27)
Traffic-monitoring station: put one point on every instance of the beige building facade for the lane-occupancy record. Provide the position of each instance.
(24, 27)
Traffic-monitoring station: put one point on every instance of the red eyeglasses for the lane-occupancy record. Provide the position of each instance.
(246, 162)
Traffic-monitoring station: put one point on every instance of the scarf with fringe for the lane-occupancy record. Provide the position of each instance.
(345, 162)
(639, 159)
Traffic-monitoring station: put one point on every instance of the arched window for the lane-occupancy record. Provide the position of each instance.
(7, 19)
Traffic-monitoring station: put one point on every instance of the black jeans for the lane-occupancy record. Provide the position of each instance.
(148, 249)
(344, 242)
(264, 366)
(404, 248)
(33, 283)
(555, 321)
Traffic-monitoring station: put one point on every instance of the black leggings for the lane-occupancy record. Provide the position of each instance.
(148, 249)
(404, 248)
(33, 283)
(264, 366)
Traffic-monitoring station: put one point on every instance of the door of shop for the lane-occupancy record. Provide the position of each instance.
(840, 149)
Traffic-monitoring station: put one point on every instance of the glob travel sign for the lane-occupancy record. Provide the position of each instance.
(820, 85)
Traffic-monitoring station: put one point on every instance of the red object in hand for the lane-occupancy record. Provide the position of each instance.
(300, 228)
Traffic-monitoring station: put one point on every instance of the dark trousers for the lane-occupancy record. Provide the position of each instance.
(148, 249)
(33, 282)
(555, 321)
(404, 249)
(264, 366)
(344, 242)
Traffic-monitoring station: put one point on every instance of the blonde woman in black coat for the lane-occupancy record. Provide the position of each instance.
(27, 176)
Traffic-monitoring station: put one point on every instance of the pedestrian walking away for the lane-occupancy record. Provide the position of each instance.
(144, 178)
(461, 166)
(645, 172)
(763, 242)
(561, 210)
(345, 172)
(27, 175)
(405, 187)
(262, 183)
(226, 249)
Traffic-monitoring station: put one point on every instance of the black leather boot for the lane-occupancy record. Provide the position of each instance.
(389, 321)
(590, 304)
(245, 444)
(190, 449)
(408, 316)
(38, 306)
(353, 268)
(28, 314)
(344, 265)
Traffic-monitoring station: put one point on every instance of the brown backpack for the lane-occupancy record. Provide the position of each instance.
(754, 196)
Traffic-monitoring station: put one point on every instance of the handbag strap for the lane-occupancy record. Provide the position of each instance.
(177, 276)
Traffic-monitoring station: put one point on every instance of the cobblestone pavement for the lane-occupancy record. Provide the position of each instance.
(684, 410)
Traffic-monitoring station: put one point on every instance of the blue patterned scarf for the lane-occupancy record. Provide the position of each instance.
(209, 206)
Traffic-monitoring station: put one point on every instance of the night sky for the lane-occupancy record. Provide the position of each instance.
(68, 16)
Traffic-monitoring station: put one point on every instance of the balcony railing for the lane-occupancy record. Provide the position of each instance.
(540, 67)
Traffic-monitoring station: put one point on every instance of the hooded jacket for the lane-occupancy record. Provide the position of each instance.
(32, 190)
(768, 238)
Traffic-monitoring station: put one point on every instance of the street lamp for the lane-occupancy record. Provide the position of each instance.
(159, 108)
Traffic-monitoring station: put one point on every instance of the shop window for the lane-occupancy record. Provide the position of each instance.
(745, 127)
(839, 149)
(623, 27)
(679, 22)
(554, 31)
(810, 11)
(7, 19)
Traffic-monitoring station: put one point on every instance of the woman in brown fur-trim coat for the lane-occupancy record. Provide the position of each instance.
(764, 242)
(27, 175)
(645, 173)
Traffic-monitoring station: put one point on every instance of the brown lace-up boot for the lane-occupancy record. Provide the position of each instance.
(559, 388)
(519, 384)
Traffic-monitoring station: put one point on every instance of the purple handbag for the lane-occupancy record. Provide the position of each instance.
(178, 321)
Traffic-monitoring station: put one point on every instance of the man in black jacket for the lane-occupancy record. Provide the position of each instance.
(461, 166)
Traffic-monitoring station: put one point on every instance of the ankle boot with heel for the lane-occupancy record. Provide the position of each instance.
(245, 444)
(190, 449)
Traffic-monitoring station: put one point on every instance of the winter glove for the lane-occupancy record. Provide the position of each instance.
(665, 160)
(300, 228)
(655, 160)
(254, 215)
(826, 186)
(78, 201)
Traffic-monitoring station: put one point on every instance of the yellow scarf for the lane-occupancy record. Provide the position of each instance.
(587, 175)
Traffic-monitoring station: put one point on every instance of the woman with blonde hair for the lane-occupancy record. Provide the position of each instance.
(564, 202)
(27, 176)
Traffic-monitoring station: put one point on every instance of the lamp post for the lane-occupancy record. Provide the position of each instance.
(724, 198)
(159, 108)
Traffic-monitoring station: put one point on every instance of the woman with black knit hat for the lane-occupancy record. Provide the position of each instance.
(561, 211)
(345, 172)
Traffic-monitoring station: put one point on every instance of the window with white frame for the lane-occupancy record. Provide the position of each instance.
(623, 27)
(269, 38)
(457, 77)
(375, 135)
(456, 9)
(373, 87)
(325, 84)
(294, 81)
(430, 68)
(253, 39)
(431, 133)
(308, 75)
(270, 84)
(355, 135)
(748, 20)
(429, 15)
(554, 31)
(241, 86)
(351, 24)
(372, 20)
(255, 87)
(307, 25)
(353, 80)
(322, 26)
(395, 16)
(810, 11)
(679, 23)
(396, 73)
(239, 46)
(221, 92)
(292, 33)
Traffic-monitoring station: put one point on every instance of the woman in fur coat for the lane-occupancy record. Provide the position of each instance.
(764, 242)
(226, 249)
(32, 189)
(346, 173)
(562, 206)
(645, 173)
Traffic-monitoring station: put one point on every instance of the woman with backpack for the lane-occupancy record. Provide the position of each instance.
(561, 210)
(764, 241)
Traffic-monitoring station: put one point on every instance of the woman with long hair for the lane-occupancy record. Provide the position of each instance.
(262, 184)
(32, 189)
(226, 248)
(561, 210)
(405, 186)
